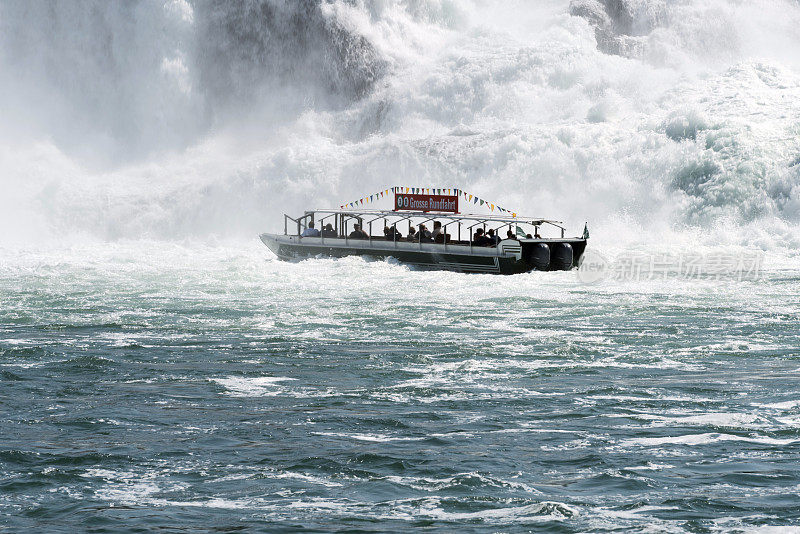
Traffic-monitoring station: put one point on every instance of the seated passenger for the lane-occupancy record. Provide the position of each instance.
(510, 235)
(424, 234)
(536, 234)
(437, 235)
(310, 231)
(328, 231)
(358, 233)
(412, 234)
(480, 240)
(493, 238)
(391, 233)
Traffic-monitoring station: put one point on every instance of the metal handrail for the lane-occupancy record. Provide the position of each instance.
(423, 217)
(298, 221)
(505, 219)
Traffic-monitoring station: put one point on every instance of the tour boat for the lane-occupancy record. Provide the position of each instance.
(457, 246)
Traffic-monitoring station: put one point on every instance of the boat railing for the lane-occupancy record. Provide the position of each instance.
(300, 221)
(341, 217)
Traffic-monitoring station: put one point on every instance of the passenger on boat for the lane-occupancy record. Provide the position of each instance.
(310, 231)
(436, 235)
(328, 231)
(412, 234)
(528, 236)
(481, 240)
(358, 233)
(494, 239)
(510, 235)
(425, 234)
(391, 233)
(536, 234)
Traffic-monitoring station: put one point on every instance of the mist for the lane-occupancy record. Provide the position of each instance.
(174, 120)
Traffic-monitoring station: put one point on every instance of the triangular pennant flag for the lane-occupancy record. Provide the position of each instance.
(470, 197)
(492, 206)
(481, 202)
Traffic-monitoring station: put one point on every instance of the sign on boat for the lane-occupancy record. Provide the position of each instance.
(426, 229)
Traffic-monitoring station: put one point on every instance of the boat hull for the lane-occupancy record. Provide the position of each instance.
(509, 257)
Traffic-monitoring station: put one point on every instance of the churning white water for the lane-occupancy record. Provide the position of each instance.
(175, 119)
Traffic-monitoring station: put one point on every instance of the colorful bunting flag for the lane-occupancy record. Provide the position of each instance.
(427, 190)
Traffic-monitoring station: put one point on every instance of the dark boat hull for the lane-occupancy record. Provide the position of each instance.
(509, 257)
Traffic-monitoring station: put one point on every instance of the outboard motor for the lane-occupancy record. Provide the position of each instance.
(560, 256)
(538, 256)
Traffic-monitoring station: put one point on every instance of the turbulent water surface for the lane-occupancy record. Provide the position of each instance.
(221, 389)
(161, 370)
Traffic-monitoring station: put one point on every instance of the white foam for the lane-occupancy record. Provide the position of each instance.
(261, 386)
(703, 439)
(377, 438)
(544, 511)
(721, 419)
(785, 405)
